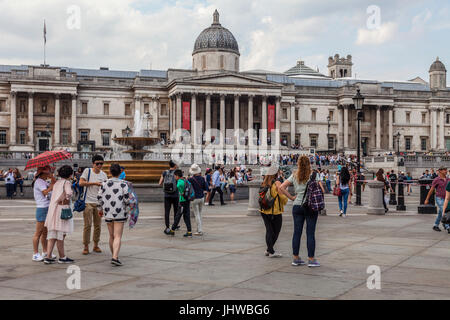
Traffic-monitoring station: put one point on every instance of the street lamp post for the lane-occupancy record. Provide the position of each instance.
(358, 101)
(127, 131)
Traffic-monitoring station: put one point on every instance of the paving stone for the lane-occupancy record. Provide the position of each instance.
(244, 294)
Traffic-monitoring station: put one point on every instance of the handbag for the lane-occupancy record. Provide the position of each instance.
(66, 213)
(337, 191)
(80, 205)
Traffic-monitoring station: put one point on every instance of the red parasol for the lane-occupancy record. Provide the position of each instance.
(47, 158)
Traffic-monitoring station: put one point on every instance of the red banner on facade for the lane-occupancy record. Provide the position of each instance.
(187, 115)
(271, 117)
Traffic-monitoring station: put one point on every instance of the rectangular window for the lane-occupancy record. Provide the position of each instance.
(447, 118)
(84, 136)
(255, 111)
(84, 108)
(22, 137)
(22, 106)
(2, 105)
(146, 108)
(331, 115)
(330, 142)
(128, 109)
(65, 137)
(2, 136)
(163, 136)
(408, 143)
(284, 115)
(44, 106)
(65, 109)
(164, 110)
(313, 115)
(313, 141)
(423, 144)
(297, 139)
(106, 109)
(408, 117)
(424, 117)
(393, 116)
(296, 114)
(106, 138)
(284, 139)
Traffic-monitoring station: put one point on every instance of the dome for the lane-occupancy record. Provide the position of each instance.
(437, 66)
(216, 37)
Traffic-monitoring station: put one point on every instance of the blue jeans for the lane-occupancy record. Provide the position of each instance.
(343, 198)
(299, 220)
(440, 204)
(328, 182)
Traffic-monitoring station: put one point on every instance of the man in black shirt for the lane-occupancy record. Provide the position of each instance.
(171, 197)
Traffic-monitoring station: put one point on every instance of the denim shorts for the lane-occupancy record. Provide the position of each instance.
(232, 188)
(41, 214)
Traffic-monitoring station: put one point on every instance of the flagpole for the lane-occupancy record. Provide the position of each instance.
(45, 42)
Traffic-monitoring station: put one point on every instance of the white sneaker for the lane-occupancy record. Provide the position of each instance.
(275, 255)
(37, 257)
(206, 204)
(45, 256)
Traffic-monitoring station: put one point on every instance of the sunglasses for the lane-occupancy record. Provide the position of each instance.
(98, 163)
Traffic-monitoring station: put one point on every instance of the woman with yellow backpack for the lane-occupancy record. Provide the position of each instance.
(272, 202)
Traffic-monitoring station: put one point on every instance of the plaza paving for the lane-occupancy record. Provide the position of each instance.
(228, 262)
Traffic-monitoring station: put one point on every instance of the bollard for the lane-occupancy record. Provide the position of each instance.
(401, 195)
(375, 198)
(392, 199)
(425, 186)
(253, 194)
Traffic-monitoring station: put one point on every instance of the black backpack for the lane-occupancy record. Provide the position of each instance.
(170, 184)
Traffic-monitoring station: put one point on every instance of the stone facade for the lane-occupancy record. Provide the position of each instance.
(43, 107)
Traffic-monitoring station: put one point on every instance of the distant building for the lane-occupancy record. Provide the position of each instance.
(81, 109)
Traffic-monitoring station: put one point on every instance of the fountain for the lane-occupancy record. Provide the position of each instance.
(138, 169)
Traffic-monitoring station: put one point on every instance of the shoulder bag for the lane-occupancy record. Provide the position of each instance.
(66, 213)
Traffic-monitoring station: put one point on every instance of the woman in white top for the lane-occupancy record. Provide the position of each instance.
(42, 193)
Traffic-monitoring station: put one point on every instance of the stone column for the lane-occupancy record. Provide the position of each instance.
(253, 193)
(30, 118)
(345, 128)
(433, 129)
(340, 128)
(74, 120)
(222, 119)
(250, 120)
(208, 118)
(292, 123)
(264, 121)
(155, 108)
(236, 118)
(391, 129)
(13, 119)
(277, 113)
(170, 115)
(178, 115)
(378, 128)
(193, 118)
(57, 120)
(441, 129)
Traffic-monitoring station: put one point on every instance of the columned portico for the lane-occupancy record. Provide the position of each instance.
(193, 118)
(263, 137)
(340, 127)
(208, 117)
(346, 127)
(441, 129)
(250, 120)
(178, 114)
(222, 119)
(391, 129)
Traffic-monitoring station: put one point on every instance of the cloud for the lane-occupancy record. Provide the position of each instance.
(383, 34)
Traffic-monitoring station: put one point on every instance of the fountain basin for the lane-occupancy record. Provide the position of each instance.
(137, 145)
(140, 171)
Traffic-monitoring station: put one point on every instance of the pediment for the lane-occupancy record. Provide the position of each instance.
(228, 79)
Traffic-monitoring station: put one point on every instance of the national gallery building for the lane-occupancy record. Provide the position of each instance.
(47, 107)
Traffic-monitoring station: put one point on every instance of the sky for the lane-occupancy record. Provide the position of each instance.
(388, 39)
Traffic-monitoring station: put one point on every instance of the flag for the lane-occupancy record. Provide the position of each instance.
(45, 33)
